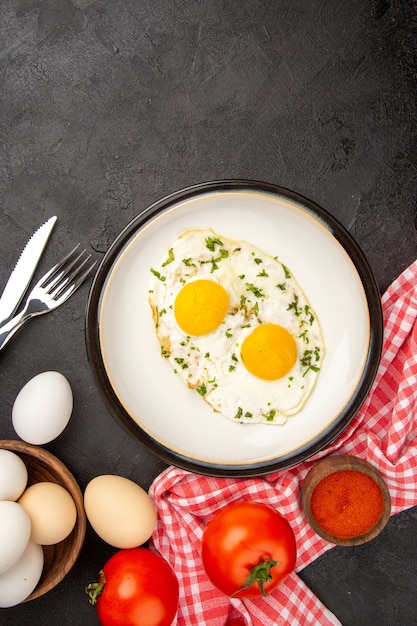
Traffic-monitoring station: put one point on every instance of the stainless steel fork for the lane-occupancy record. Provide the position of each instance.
(52, 290)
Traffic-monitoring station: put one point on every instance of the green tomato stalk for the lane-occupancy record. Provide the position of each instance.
(260, 574)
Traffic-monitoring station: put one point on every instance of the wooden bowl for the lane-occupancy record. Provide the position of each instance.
(42, 466)
(330, 465)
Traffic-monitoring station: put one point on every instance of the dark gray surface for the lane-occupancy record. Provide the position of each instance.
(107, 106)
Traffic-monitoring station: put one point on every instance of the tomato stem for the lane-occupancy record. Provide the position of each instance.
(260, 574)
(94, 590)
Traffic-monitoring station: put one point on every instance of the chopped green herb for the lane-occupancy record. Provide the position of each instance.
(287, 272)
(207, 354)
(228, 333)
(211, 242)
(223, 255)
(263, 273)
(308, 314)
(189, 262)
(241, 276)
(158, 275)
(165, 353)
(170, 258)
(294, 306)
(255, 290)
(232, 367)
(309, 358)
(270, 416)
(281, 286)
(304, 336)
(181, 362)
(247, 414)
(239, 413)
(202, 390)
(257, 261)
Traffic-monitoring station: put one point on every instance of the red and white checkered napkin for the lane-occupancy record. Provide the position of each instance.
(383, 432)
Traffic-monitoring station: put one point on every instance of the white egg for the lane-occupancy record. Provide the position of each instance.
(236, 327)
(13, 475)
(42, 408)
(15, 529)
(20, 580)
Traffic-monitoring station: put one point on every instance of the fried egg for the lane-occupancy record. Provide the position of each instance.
(236, 327)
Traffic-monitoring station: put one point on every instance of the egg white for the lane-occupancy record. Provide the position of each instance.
(261, 290)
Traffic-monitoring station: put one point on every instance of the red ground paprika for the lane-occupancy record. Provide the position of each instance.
(346, 503)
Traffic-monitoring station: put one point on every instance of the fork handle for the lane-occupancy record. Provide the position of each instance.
(10, 328)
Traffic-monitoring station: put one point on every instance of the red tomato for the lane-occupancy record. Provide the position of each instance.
(248, 548)
(137, 587)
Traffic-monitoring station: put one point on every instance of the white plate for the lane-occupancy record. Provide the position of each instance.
(140, 387)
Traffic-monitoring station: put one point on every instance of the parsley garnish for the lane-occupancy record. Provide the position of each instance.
(211, 243)
(202, 390)
(181, 362)
(223, 255)
(304, 336)
(269, 416)
(170, 257)
(294, 305)
(158, 275)
(239, 413)
(309, 357)
(255, 290)
(308, 314)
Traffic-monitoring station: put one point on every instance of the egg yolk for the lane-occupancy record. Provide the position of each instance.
(200, 307)
(269, 352)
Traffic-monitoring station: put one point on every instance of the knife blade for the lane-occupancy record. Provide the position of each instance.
(24, 269)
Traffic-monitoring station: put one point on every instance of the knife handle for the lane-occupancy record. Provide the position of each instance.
(10, 328)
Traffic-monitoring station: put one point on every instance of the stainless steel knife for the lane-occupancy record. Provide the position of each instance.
(25, 267)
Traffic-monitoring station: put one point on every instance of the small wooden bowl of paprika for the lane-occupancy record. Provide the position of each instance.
(345, 500)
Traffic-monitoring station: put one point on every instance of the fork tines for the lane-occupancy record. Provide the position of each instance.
(71, 270)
